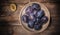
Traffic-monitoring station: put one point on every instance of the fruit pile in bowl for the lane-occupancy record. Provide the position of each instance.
(33, 17)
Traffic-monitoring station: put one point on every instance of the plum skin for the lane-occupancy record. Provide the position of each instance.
(37, 27)
(31, 24)
(36, 6)
(25, 18)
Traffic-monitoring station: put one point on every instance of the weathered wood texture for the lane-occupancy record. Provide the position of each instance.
(9, 21)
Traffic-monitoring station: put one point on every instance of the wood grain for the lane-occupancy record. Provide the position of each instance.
(10, 24)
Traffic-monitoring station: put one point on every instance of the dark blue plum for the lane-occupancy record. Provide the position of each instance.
(35, 12)
(37, 27)
(31, 24)
(25, 18)
(40, 14)
(37, 21)
(29, 9)
(31, 16)
(36, 6)
(44, 19)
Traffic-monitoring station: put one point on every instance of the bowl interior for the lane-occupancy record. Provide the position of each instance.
(47, 13)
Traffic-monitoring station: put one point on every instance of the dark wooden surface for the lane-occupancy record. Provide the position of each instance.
(9, 21)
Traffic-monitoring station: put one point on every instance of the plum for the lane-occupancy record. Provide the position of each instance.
(31, 24)
(31, 16)
(29, 9)
(37, 27)
(35, 12)
(40, 14)
(25, 18)
(36, 6)
(44, 19)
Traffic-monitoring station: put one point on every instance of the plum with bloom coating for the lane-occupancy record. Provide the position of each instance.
(36, 6)
(25, 18)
